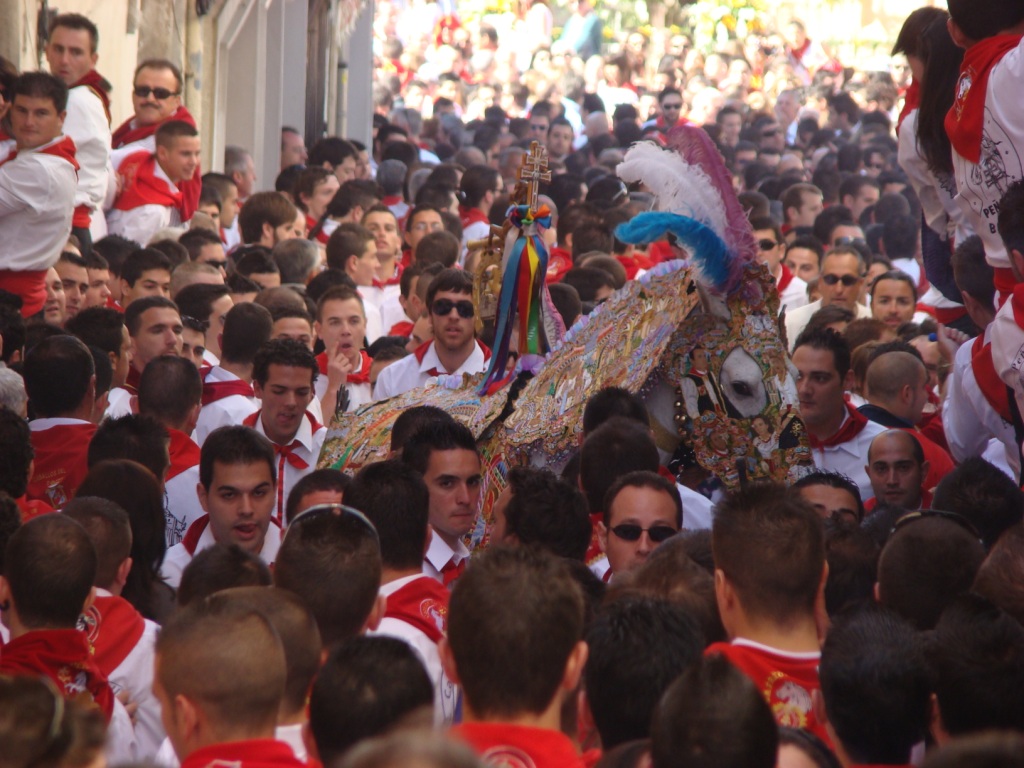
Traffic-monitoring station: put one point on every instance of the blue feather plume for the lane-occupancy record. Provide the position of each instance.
(710, 253)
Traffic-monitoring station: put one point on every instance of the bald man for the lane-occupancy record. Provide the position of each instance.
(897, 468)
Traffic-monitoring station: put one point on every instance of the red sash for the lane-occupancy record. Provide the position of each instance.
(190, 189)
(421, 352)
(218, 390)
(29, 285)
(966, 118)
(991, 386)
(183, 451)
(395, 279)
(114, 628)
(403, 328)
(785, 278)
(142, 186)
(63, 656)
(422, 603)
(321, 236)
(60, 462)
(98, 84)
(470, 216)
(65, 148)
(850, 429)
(360, 377)
(255, 753)
(559, 262)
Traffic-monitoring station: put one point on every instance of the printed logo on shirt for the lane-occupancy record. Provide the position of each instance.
(435, 611)
(790, 701)
(507, 757)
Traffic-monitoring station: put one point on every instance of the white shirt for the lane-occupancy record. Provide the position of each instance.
(87, 124)
(178, 557)
(181, 504)
(122, 746)
(358, 394)
(308, 450)
(37, 200)
(438, 555)
(851, 457)
(374, 325)
(980, 187)
(141, 223)
(392, 313)
(228, 411)
(119, 403)
(697, 509)
(797, 320)
(972, 427)
(445, 691)
(410, 373)
(793, 296)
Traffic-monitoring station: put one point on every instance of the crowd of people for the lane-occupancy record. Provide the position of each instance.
(180, 584)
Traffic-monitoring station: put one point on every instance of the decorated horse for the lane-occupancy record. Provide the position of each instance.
(696, 338)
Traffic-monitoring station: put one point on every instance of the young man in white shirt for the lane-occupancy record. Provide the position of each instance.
(352, 248)
(771, 248)
(454, 348)
(341, 324)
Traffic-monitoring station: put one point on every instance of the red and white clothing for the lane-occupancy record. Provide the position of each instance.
(396, 205)
(975, 415)
(123, 645)
(986, 128)
(200, 536)
(382, 291)
(358, 384)
(255, 753)
(61, 446)
(181, 502)
(88, 124)
(392, 314)
(1006, 334)
(847, 450)
(227, 401)
(475, 226)
(289, 735)
(37, 199)
(785, 679)
(295, 460)
(504, 744)
(417, 612)
(418, 369)
(149, 201)
(797, 320)
(374, 324)
(444, 564)
(792, 290)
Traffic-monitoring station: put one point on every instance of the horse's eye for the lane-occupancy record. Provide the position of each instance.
(742, 388)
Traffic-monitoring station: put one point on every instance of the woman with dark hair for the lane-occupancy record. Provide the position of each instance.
(926, 157)
(136, 489)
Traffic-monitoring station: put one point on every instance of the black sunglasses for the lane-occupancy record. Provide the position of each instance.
(766, 244)
(847, 280)
(443, 307)
(142, 91)
(633, 532)
(671, 106)
(222, 264)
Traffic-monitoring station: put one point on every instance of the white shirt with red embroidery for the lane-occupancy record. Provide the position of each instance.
(87, 124)
(178, 556)
(307, 451)
(445, 691)
(411, 372)
(37, 200)
(141, 223)
(228, 411)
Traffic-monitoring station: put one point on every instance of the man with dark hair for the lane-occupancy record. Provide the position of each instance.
(875, 688)
(834, 496)
(640, 511)
(713, 715)
(538, 508)
(367, 686)
(637, 648)
(516, 708)
(409, 423)
(840, 435)
(237, 490)
(803, 257)
(224, 186)
(228, 396)
(769, 549)
(122, 640)
(146, 272)
(150, 198)
(331, 558)
(336, 155)
(984, 495)
(857, 193)
(135, 437)
(170, 391)
(209, 304)
(977, 658)
(283, 375)
(344, 365)
(929, 559)
(480, 186)
(104, 328)
(60, 380)
(801, 204)
(771, 247)
(445, 455)
(383, 225)
(16, 464)
(38, 180)
(205, 247)
(49, 570)
(216, 568)
(267, 219)
(395, 499)
(454, 349)
(75, 278)
(321, 486)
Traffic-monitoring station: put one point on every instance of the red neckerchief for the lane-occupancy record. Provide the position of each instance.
(422, 603)
(254, 753)
(142, 186)
(395, 279)
(112, 303)
(421, 352)
(190, 189)
(183, 451)
(30, 508)
(131, 381)
(966, 118)
(64, 148)
(403, 328)
(452, 570)
(991, 386)
(390, 200)
(559, 262)
(911, 101)
(194, 533)
(362, 376)
(633, 264)
(850, 429)
(312, 226)
(785, 278)
(470, 216)
(62, 655)
(114, 628)
(798, 53)
(508, 744)
(218, 390)
(99, 85)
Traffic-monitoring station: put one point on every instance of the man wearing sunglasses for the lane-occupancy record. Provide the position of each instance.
(156, 99)
(840, 283)
(770, 249)
(454, 348)
(642, 509)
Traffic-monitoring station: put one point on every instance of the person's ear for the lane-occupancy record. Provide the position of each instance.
(125, 290)
(821, 617)
(959, 38)
(89, 600)
(849, 381)
(877, 592)
(574, 666)
(267, 232)
(187, 717)
(5, 595)
(1018, 259)
(257, 389)
(373, 621)
(123, 570)
(444, 650)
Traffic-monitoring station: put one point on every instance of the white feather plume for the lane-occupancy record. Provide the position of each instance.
(678, 187)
